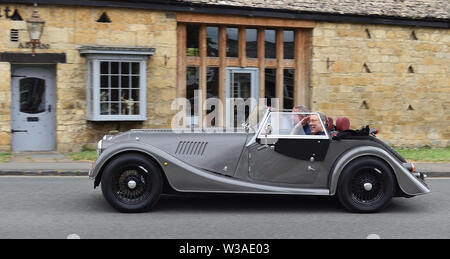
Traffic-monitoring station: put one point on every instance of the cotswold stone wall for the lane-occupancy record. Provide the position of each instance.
(394, 78)
(5, 99)
(68, 28)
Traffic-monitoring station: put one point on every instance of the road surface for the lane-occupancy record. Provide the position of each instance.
(61, 207)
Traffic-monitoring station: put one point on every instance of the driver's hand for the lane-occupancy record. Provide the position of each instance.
(304, 121)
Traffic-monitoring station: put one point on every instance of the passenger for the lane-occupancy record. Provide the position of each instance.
(300, 121)
(315, 125)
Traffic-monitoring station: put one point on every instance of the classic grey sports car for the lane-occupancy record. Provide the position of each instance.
(270, 155)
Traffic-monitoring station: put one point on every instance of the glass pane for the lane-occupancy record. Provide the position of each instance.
(135, 95)
(192, 36)
(104, 108)
(270, 86)
(232, 42)
(104, 81)
(289, 43)
(134, 109)
(115, 95)
(287, 123)
(135, 68)
(270, 43)
(104, 95)
(241, 86)
(135, 81)
(212, 86)
(104, 68)
(192, 75)
(115, 109)
(124, 95)
(114, 82)
(212, 82)
(32, 95)
(115, 68)
(125, 82)
(288, 90)
(212, 41)
(251, 43)
(125, 69)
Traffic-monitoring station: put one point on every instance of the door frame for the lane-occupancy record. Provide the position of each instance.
(254, 91)
(50, 88)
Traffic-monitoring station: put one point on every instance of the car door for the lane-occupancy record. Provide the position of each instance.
(278, 157)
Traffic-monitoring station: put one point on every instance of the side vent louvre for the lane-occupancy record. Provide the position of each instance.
(192, 148)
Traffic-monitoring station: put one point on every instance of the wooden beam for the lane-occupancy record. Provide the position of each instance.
(202, 79)
(222, 75)
(193, 61)
(243, 20)
(252, 62)
(233, 62)
(301, 87)
(242, 49)
(261, 61)
(212, 62)
(181, 60)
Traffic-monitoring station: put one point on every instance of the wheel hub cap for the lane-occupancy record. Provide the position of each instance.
(368, 187)
(132, 184)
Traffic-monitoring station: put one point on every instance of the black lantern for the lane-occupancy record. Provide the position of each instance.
(35, 28)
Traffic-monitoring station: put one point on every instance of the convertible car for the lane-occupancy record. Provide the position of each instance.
(268, 156)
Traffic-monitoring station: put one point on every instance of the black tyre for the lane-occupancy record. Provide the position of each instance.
(366, 185)
(132, 183)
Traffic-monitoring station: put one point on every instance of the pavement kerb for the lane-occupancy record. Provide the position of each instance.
(43, 173)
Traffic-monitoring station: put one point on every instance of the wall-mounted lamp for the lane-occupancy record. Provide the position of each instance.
(35, 28)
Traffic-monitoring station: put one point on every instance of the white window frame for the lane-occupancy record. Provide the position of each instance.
(94, 57)
(254, 90)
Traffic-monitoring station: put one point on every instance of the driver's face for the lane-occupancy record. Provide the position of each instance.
(315, 125)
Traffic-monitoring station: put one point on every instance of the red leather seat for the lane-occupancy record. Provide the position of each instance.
(342, 123)
(330, 124)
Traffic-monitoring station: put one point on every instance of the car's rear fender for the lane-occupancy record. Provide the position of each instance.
(407, 182)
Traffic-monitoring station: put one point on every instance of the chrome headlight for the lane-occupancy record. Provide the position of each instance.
(99, 147)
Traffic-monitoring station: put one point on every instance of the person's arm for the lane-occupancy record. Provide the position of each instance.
(298, 128)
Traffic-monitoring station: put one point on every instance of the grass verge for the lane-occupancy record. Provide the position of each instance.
(86, 154)
(4, 157)
(425, 154)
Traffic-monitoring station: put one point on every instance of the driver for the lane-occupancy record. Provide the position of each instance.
(300, 121)
(315, 125)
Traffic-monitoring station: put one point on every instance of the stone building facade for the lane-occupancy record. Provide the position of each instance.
(66, 30)
(396, 78)
(393, 75)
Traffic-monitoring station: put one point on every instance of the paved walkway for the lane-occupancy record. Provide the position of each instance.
(44, 163)
(56, 163)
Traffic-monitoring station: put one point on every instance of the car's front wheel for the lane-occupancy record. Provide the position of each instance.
(366, 185)
(132, 183)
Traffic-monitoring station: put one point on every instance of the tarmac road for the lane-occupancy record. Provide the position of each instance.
(56, 207)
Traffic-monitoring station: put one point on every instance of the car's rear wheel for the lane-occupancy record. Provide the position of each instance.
(366, 185)
(132, 183)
